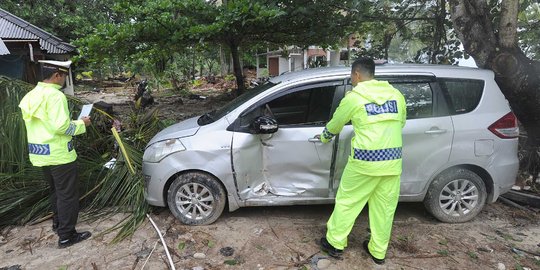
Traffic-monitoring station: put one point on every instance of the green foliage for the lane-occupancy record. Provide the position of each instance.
(67, 19)
(230, 262)
(442, 252)
(192, 28)
(472, 255)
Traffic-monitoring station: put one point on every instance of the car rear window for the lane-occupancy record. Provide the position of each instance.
(464, 94)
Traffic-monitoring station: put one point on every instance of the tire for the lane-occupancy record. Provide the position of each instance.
(196, 198)
(456, 196)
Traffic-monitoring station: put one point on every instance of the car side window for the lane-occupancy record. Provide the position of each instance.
(464, 94)
(418, 97)
(305, 107)
(311, 106)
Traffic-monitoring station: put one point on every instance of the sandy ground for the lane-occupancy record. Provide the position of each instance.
(286, 238)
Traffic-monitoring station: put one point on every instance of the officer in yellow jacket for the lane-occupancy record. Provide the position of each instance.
(372, 174)
(50, 134)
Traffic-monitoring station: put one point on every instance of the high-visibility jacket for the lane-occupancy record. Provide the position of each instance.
(378, 112)
(48, 126)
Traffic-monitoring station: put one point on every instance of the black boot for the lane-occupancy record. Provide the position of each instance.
(74, 239)
(328, 248)
(375, 260)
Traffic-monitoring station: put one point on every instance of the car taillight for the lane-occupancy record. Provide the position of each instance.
(506, 127)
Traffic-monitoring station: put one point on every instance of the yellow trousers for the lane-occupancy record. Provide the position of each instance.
(355, 190)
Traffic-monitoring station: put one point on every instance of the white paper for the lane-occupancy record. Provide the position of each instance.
(110, 164)
(85, 111)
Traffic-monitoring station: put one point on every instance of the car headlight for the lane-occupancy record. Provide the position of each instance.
(158, 151)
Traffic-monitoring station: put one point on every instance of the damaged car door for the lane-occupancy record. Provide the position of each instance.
(288, 162)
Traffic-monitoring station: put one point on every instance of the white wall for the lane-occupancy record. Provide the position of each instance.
(283, 65)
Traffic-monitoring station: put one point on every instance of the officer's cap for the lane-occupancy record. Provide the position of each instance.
(62, 66)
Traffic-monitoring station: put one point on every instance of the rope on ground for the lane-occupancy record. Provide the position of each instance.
(163, 242)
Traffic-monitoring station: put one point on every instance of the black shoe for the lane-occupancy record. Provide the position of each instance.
(328, 248)
(375, 260)
(74, 239)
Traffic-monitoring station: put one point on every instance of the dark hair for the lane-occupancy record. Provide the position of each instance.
(47, 72)
(365, 66)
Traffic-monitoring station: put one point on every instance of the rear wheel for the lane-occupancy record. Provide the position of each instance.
(457, 195)
(196, 198)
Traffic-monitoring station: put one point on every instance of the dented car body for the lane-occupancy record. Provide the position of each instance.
(459, 145)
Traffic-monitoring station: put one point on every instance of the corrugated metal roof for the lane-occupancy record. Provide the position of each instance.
(3, 49)
(13, 27)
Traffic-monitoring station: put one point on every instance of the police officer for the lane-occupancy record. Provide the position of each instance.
(50, 134)
(377, 112)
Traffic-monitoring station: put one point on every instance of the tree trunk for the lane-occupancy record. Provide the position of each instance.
(223, 62)
(240, 87)
(517, 76)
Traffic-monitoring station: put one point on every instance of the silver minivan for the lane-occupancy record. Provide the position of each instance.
(459, 145)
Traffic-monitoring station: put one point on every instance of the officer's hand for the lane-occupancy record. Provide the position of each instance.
(86, 120)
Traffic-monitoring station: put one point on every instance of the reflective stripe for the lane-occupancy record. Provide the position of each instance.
(39, 149)
(327, 135)
(71, 129)
(70, 145)
(388, 107)
(377, 155)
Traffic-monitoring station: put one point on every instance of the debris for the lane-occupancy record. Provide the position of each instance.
(162, 241)
(501, 266)
(199, 256)
(231, 262)
(523, 197)
(518, 252)
(527, 188)
(13, 267)
(226, 251)
(110, 164)
(511, 203)
(323, 264)
(314, 261)
(197, 97)
(258, 231)
(143, 253)
(104, 106)
(485, 249)
(514, 187)
(197, 268)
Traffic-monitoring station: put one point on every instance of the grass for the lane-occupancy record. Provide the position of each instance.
(24, 194)
(443, 252)
(472, 255)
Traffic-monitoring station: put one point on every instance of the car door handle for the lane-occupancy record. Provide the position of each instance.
(314, 140)
(435, 131)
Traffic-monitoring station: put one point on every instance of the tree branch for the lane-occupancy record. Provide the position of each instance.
(473, 26)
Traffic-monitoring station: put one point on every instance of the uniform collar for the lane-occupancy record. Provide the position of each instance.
(53, 85)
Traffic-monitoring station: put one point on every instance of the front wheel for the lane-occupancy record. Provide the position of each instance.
(196, 198)
(457, 195)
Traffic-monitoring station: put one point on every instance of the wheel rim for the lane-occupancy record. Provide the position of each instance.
(194, 201)
(459, 197)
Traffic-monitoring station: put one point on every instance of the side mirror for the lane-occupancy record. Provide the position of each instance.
(264, 125)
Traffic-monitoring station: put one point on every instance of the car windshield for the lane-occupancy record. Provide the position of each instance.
(214, 115)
